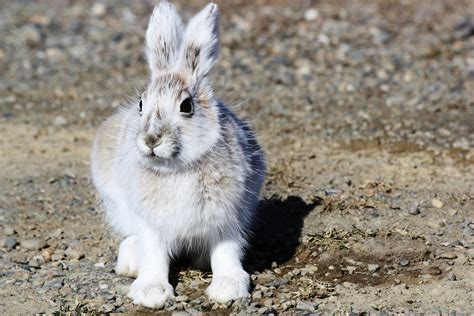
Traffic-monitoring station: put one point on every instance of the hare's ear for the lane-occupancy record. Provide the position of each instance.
(163, 37)
(200, 48)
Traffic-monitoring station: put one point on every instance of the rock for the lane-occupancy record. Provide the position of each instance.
(286, 305)
(451, 276)
(65, 291)
(47, 254)
(54, 284)
(309, 269)
(267, 292)
(55, 55)
(277, 282)
(306, 306)
(379, 36)
(103, 286)
(414, 210)
(257, 295)
(30, 35)
(98, 9)
(10, 243)
(107, 308)
(122, 289)
(19, 257)
(437, 203)
(36, 262)
(323, 39)
(73, 254)
(60, 121)
(351, 269)
(57, 257)
(264, 311)
(99, 265)
(182, 298)
(33, 244)
(462, 143)
(373, 267)
(468, 231)
(268, 302)
(437, 224)
(333, 191)
(470, 253)
(8, 230)
(448, 255)
(311, 14)
(56, 233)
(404, 262)
(38, 282)
(433, 270)
(349, 285)
(452, 212)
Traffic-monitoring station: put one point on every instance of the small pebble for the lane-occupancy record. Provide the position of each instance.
(98, 9)
(60, 121)
(182, 298)
(277, 282)
(10, 243)
(306, 306)
(47, 254)
(373, 267)
(448, 255)
(414, 210)
(468, 231)
(33, 244)
(8, 230)
(437, 203)
(404, 262)
(73, 254)
(107, 308)
(311, 14)
(57, 257)
(451, 276)
(470, 253)
(257, 295)
(268, 302)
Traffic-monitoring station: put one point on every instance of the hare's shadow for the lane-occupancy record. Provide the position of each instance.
(277, 230)
(275, 235)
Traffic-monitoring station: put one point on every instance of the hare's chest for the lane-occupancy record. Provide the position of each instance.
(189, 206)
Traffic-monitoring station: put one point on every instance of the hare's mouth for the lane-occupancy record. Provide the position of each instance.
(162, 165)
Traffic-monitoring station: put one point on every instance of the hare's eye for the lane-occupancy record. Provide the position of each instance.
(140, 105)
(186, 106)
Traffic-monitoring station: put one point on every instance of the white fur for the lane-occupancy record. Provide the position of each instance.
(163, 35)
(197, 193)
(203, 32)
(127, 262)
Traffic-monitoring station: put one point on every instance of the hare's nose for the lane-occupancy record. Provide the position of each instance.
(151, 140)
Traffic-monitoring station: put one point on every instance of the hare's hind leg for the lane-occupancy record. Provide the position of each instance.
(123, 222)
(127, 262)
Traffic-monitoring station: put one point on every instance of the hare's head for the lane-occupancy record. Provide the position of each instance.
(179, 117)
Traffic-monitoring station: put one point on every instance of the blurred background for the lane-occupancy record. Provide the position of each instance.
(366, 112)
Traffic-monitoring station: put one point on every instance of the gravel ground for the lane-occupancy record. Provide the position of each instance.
(366, 112)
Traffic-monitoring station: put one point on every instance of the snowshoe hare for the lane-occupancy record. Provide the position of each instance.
(177, 171)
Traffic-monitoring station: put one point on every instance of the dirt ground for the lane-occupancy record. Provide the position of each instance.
(365, 110)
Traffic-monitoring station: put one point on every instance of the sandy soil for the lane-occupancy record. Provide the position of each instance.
(365, 110)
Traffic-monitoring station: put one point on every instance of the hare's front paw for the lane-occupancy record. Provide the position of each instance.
(127, 262)
(224, 288)
(150, 294)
